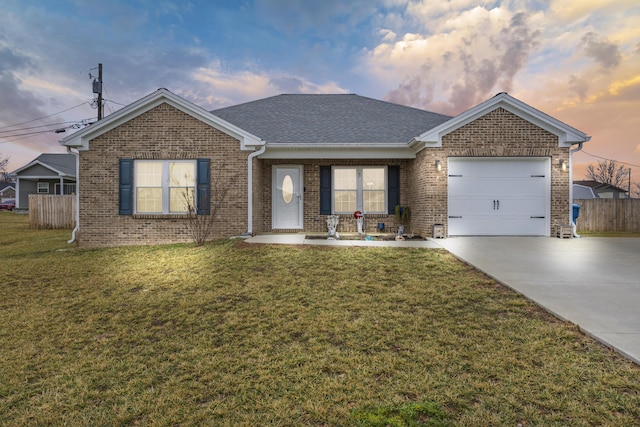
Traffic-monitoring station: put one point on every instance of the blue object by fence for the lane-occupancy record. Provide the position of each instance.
(576, 212)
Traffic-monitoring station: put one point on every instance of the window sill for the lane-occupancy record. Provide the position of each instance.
(160, 216)
(367, 215)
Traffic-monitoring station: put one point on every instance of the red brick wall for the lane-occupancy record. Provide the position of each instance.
(496, 134)
(163, 133)
(313, 221)
(166, 133)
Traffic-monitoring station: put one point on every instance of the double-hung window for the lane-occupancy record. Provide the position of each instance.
(43, 187)
(164, 186)
(360, 189)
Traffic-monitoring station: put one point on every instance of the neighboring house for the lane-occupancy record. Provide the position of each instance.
(603, 191)
(46, 174)
(7, 191)
(289, 161)
(583, 192)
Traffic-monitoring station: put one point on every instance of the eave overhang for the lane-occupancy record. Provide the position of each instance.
(338, 151)
(44, 165)
(567, 135)
(81, 139)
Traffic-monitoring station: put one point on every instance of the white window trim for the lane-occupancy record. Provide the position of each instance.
(43, 185)
(165, 186)
(359, 188)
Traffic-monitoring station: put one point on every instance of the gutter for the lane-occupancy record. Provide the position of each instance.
(249, 231)
(77, 227)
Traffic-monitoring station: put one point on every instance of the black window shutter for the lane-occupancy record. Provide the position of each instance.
(325, 190)
(393, 188)
(204, 187)
(125, 187)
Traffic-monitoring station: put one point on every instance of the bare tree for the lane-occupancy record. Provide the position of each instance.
(4, 174)
(202, 226)
(609, 172)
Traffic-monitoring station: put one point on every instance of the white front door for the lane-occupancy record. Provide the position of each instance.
(499, 196)
(287, 197)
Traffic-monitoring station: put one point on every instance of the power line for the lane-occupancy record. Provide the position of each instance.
(610, 160)
(114, 102)
(34, 127)
(76, 125)
(44, 117)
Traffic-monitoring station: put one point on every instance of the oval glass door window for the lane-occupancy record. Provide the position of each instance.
(287, 189)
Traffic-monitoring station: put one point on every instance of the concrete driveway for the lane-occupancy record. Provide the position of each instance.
(591, 282)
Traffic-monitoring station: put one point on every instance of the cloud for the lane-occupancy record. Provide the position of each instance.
(16, 102)
(475, 53)
(579, 86)
(604, 52)
(224, 88)
(325, 18)
(572, 10)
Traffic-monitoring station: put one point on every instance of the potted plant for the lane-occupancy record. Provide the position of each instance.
(403, 216)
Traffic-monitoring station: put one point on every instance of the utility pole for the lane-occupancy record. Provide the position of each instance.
(97, 88)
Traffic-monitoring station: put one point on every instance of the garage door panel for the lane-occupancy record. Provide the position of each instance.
(521, 207)
(499, 196)
(485, 226)
(469, 206)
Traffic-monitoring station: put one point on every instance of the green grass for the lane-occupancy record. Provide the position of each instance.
(238, 334)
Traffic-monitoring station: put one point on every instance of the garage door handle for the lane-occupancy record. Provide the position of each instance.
(538, 217)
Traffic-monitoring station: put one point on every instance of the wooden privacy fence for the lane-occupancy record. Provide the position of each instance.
(609, 215)
(52, 211)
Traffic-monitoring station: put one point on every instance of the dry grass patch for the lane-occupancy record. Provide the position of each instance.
(235, 334)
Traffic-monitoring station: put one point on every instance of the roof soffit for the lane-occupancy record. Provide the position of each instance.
(38, 163)
(567, 135)
(81, 139)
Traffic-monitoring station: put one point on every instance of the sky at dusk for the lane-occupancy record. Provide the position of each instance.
(576, 60)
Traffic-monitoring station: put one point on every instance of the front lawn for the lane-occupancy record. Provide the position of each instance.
(237, 334)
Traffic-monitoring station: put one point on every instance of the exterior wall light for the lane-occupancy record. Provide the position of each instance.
(438, 166)
(563, 165)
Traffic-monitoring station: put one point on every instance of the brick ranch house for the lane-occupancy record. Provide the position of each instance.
(289, 161)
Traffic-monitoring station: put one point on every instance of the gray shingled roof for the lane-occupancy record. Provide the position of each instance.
(584, 192)
(600, 186)
(65, 163)
(310, 119)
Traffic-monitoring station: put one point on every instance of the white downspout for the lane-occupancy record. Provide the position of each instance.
(17, 192)
(573, 224)
(77, 227)
(262, 149)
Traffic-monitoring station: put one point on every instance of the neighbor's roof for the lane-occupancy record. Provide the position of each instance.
(600, 186)
(327, 119)
(63, 164)
(584, 192)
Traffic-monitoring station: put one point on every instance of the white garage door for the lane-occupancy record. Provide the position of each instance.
(499, 196)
